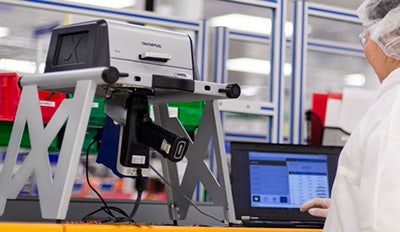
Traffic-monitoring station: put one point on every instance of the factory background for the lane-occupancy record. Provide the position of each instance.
(280, 52)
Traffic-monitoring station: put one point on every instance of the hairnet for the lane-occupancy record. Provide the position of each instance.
(382, 20)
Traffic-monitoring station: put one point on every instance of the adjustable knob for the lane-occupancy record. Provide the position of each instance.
(231, 90)
(111, 75)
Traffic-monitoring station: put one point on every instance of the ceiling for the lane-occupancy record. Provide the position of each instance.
(30, 30)
(25, 24)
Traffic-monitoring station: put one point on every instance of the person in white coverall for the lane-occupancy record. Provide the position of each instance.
(366, 190)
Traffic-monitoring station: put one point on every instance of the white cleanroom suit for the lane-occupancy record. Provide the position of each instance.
(366, 191)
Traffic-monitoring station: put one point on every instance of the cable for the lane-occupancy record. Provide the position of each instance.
(310, 113)
(140, 189)
(107, 219)
(336, 128)
(107, 209)
(184, 196)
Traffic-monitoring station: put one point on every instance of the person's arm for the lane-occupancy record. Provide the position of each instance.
(317, 207)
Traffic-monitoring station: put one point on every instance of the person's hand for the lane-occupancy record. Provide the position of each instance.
(317, 207)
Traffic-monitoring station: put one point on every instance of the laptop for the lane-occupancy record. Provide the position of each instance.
(271, 181)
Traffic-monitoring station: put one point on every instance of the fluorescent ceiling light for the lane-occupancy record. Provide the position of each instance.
(357, 79)
(251, 65)
(248, 23)
(4, 31)
(250, 90)
(19, 66)
(107, 3)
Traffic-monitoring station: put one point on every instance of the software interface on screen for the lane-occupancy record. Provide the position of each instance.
(287, 180)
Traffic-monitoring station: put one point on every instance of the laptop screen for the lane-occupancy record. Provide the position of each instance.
(271, 181)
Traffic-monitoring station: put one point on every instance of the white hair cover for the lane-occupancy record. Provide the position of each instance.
(382, 20)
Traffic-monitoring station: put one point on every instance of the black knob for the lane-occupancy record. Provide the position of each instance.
(111, 75)
(231, 90)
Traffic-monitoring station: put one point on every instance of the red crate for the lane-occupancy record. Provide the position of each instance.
(49, 102)
(10, 94)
